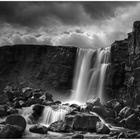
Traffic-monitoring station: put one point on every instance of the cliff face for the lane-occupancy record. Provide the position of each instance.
(38, 66)
(124, 73)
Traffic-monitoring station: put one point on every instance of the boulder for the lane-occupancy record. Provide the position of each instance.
(37, 95)
(102, 128)
(93, 102)
(17, 120)
(57, 102)
(114, 104)
(58, 126)
(27, 92)
(42, 98)
(76, 122)
(125, 112)
(37, 111)
(75, 106)
(102, 111)
(39, 129)
(84, 122)
(11, 131)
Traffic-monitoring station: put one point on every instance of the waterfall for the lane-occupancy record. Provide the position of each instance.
(51, 115)
(90, 72)
(89, 77)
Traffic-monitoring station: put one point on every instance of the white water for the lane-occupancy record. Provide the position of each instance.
(89, 78)
(51, 115)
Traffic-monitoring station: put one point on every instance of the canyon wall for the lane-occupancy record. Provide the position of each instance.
(123, 76)
(37, 66)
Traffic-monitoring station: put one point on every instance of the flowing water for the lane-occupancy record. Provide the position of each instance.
(51, 115)
(89, 77)
(88, 82)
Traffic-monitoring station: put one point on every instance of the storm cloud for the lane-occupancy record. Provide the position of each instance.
(83, 24)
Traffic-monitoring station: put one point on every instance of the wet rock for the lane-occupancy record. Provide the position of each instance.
(93, 102)
(75, 106)
(17, 120)
(27, 92)
(57, 102)
(84, 122)
(39, 129)
(58, 126)
(97, 109)
(103, 112)
(48, 96)
(11, 131)
(125, 112)
(76, 122)
(102, 128)
(77, 136)
(37, 112)
(115, 104)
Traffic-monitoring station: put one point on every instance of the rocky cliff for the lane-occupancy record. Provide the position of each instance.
(124, 72)
(38, 66)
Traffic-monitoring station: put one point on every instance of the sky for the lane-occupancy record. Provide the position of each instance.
(81, 24)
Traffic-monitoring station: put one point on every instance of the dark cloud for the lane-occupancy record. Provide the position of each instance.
(103, 10)
(32, 14)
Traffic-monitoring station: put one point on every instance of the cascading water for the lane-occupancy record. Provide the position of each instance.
(51, 115)
(89, 78)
